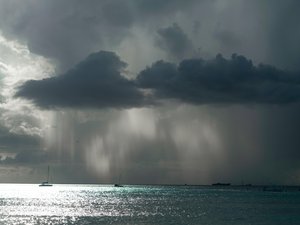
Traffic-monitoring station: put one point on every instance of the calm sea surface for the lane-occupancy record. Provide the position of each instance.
(98, 204)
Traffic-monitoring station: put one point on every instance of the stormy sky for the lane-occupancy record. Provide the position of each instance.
(195, 91)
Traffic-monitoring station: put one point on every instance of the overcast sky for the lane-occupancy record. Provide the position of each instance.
(194, 91)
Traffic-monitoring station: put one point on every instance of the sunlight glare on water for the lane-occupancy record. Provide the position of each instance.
(105, 204)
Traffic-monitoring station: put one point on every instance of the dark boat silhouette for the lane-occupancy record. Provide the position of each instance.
(119, 182)
(46, 183)
(221, 184)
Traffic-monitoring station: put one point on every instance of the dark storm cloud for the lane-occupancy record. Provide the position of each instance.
(174, 41)
(258, 144)
(283, 32)
(221, 80)
(68, 30)
(155, 7)
(65, 30)
(95, 82)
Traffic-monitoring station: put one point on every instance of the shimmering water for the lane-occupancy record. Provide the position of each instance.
(98, 204)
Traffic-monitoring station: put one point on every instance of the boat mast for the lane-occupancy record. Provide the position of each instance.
(48, 174)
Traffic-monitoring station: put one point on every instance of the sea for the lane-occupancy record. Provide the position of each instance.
(147, 205)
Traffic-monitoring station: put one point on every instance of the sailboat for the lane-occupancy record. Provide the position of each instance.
(46, 183)
(118, 184)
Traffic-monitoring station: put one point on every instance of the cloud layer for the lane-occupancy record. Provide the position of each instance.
(174, 41)
(68, 30)
(97, 82)
(221, 80)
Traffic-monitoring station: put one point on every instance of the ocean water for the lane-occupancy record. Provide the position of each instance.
(105, 204)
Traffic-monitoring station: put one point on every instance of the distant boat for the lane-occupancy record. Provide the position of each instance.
(221, 184)
(46, 183)
(118, 184)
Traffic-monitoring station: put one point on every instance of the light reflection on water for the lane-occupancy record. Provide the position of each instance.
(95, 204)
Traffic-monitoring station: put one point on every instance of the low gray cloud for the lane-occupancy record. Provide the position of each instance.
(96, 82)
(174, 41)
(227, 39)
(283, 32)
(28, 157)
(20, 148)
(67, 30)
(221, 80)
(13, 142)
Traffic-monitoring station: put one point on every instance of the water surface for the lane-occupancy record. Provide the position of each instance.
(105, 204)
